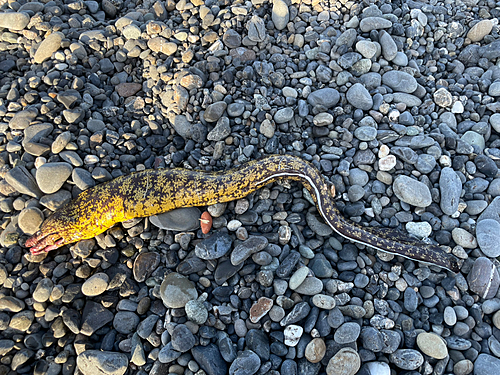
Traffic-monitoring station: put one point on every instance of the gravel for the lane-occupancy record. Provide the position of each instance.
(396, 106)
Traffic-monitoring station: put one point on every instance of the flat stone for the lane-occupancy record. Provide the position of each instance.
(176, 290)
(145, 264)
(247, 363)
(94, 316)
(480, 30)
(21, 180)
(389, 47)
(209, 359)
(326, 97)
(315, 350)
(407, 359)
(21, 120)
(345, 362)
(412, 191)
(359, 97)
(92, 362)
(488, 237)
(30, 219)
(483, 278)
(260, 308)
(180, 219)
(48, 46)
(214, 111)
(400, 81)
(127, 89)
(280, 14)
(464, 238)
(160, 44)
(14, 20)
(432, 345)
(214, 247)
(374, 23)
(52, 176)
(443, 98)
(450, 188)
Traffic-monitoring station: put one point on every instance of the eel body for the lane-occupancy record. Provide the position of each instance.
(152, 192)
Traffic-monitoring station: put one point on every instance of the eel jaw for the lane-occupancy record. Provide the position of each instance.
(42, 243)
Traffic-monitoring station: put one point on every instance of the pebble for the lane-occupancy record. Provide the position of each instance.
(176, 290)
(214, 247)
(400, 81)
(432, 345)
(48, 46)
(488, 237)
(412, 191)
(464, 238)
(95, 285)
(183, 339)
(359, 97)
(247, 363)
(30, 219)
(407, 359)
(209, 359)
(326, 97)
(345, 362)
(144, 265)
(50, 177)
(480, 30)
(346, 333)
(315, 350)
(293, 333)
(180, 220)
(14, 20)
(96, 361)
(486, 364)
(483, 278)
(374, 23)
(450, 188)
(125, 322)
(245, 249)
(280, 14)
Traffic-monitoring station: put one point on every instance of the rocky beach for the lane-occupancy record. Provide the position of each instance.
(396, 103)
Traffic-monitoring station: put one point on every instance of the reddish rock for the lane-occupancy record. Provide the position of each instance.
(206, 222)
(260, 308)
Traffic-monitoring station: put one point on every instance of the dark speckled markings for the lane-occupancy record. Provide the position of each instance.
(151, 192)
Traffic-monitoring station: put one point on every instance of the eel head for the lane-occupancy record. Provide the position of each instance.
(58, 230)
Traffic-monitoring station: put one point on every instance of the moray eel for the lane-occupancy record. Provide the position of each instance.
(152, 192)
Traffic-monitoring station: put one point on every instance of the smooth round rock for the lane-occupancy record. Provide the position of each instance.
(176, 290)
(488, 237)
(345, 362)
(95, 285)
(359, 97)
(30, 219)
(48, 46)
(180, 220)
(412, 191)
(315, 350)
(92, 362)
(214, 247)
(407, 359)
(52, 176)
(432, 345)
(483, 279)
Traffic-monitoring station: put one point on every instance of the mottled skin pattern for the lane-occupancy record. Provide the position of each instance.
(151, 192)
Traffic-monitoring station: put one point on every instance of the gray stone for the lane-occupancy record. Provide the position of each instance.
(48, 46)
(245, 249)
(280, 14)
(400, 81)
(412, 191)
(407, 359)
(210, 359)
(92, 362)
(450, 188)
(389, 48)
(256, 29)
(359, 97)
(21, 180)
(494, 89)
(283, 115)
(14, 20)
(326, 97)
(486, 364)
(483, 278)
(488, 237)
(52, 176)
(214, 247)
(182, 338)
(347, 333)
(374, 23)
(247, 363)
(21, 120)
(181, 219)
(214, 111)
(176, 290)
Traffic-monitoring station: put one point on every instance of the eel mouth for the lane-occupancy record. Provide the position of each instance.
(41, 243)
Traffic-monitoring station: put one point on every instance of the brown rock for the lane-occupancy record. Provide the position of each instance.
(260, 308)
(315, 350)
(127, 89)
